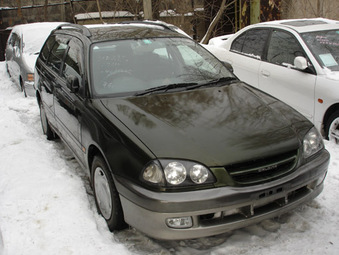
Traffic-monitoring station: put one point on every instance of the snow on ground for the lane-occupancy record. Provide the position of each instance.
(47, 207)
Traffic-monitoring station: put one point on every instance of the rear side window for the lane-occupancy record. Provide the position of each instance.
(12, 39)
(283, 48)
(251, 43)
(57, 53)
(47, 48)
(72, 66)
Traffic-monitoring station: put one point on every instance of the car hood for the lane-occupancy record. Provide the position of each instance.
(215, 126)
(331, 75)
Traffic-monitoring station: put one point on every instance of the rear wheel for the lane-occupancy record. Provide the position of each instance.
(106, 196)
(46, 128)
(332, 127)
(9, 74)
(22, 87)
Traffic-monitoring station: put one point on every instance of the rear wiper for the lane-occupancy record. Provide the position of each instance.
(165, 88)
(212, 82)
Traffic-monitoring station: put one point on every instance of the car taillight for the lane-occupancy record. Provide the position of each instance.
(30, 77)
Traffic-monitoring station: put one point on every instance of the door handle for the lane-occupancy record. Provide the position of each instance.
(56, 85)
(265, 73)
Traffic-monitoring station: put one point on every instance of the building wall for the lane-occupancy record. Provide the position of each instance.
(292, 9)
(11, 13)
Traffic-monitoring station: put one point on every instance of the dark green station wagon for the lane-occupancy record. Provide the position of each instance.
(174, 144)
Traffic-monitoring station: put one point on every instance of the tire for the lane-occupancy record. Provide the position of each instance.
(46, 128)
(332, 127)
(106, 196)
(22, 87)
(9, 74)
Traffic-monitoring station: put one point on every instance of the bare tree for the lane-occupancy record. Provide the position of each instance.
(99, 10)
(148, 9)
(223, 7)
(45, 10)
(19, 8)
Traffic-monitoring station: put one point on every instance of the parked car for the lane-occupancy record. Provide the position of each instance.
(22, 49)
(174, 144)
(219, 40)
(295, 61)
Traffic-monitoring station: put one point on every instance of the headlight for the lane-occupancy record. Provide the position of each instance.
(198, 174)
(170, 173)
(175, 173)
(153, 174)
(312, 143)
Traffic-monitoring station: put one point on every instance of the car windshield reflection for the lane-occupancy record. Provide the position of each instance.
(138, 65)
(325, 47)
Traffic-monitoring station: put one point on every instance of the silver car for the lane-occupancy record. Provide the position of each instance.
(22, 49)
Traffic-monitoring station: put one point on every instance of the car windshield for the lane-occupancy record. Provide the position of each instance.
(325, 47)
(130, 66)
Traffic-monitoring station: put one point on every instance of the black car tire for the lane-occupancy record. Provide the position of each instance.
(7, 69)
(22, 87)
(106, 196)
(331, 125)
(46, 128)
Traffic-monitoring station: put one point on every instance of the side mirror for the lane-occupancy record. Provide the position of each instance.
(73, 83)
(300, 63)
(228, 66)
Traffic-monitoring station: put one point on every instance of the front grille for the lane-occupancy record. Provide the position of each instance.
(263, 170)
(244, 213)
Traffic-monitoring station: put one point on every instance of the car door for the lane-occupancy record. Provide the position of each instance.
(278, 76)
(10, 51)
(246, 52)
(13, 54)
(48, 67)
(68, 100)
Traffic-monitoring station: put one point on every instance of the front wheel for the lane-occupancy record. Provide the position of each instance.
(332, 127)
(106, 196)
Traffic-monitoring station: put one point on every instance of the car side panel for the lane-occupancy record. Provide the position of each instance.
(294, 87)
(245, 68)
(326, 95)
(125, 154)
(17, 56)
(46, 85)
(67, 113)
(9, 54)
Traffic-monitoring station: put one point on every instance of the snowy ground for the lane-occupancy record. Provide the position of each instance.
(47, 207)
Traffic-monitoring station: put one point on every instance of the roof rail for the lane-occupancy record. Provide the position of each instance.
(84, 30)
(161, 24)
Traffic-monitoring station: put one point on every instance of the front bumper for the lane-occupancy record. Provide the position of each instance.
(219, 210)
(29, 88)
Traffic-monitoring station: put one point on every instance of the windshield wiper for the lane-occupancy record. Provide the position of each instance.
(165, 88)
(212, 82)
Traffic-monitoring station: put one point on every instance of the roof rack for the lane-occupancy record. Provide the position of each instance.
(84, 30)
(161, 24)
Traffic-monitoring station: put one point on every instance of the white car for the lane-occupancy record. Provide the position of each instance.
(296, 61)
(219, 41)
(22, 49)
